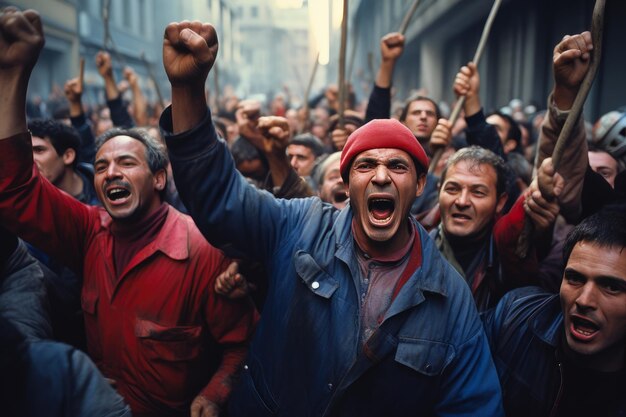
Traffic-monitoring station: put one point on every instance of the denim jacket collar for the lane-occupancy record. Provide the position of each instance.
(427, 278)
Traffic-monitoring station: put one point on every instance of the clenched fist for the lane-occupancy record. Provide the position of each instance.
(21, 40)
(189, 52)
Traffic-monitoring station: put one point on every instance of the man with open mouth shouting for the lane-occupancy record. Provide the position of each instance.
(363, 317)
(565, 355)
(155, 327)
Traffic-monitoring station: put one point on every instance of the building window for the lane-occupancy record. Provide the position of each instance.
(254, 11)
(142, 18)
(127, 15)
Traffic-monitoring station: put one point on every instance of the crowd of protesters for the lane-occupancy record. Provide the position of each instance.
(259, 259)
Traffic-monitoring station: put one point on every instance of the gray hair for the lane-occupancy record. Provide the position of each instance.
(479, 156)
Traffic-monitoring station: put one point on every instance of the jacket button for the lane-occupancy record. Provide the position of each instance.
(429, 368)
(330, 387)
(245, 367)
(315, 285)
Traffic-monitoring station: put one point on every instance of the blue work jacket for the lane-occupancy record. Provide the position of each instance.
(429, 356)
(524, 332)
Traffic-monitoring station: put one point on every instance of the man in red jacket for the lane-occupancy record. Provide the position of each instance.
(153, 321)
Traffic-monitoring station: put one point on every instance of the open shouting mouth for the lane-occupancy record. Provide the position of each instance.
(117, 192)
(381, 210)
(583, 329)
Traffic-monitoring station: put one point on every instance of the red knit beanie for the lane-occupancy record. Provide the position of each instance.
(382, 133)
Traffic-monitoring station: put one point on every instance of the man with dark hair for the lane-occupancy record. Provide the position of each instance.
(362, 317)
(603, 163)
(153, 321)
(56, 148)
(302, 151)
(563, 354)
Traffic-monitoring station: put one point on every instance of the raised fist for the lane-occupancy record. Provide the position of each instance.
(103, 62)
(391, 46)
(21, 40)
(189, 52)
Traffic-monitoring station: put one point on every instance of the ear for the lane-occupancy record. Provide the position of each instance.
(160, 180)
(509, 145)
(69, 156)
(501, 202)
(421, 184)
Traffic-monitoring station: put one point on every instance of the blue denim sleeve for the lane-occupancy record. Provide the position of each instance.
(226, 208)
(471, 386)
(78, 387)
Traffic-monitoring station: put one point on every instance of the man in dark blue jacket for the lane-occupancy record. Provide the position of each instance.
(363, 316)
(565, 355)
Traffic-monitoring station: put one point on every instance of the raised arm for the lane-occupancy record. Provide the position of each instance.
(21, 40)
(189, 52)
(29, 205)
(570, 65)
(478, 132)
(140, 106)
(379, 104)
(231, 213)
(119, 113)
(73, 90)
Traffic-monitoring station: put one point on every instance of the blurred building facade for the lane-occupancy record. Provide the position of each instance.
(75, 29)
(275, 49)
(444, 34)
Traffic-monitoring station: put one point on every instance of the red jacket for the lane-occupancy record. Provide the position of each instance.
(159, 330)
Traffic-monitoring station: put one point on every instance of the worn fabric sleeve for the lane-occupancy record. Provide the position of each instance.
(518, 272)
(231, 323)
(119, 113)
(224, 206)
(573, 162)
(379, 104)
(37, 211)
(483, 134)
(23, 297)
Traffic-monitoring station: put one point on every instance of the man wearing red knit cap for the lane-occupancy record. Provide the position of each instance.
(363, 317)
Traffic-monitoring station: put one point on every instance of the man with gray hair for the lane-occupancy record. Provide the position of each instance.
(330, 186)
(154, 324)
(474, 236)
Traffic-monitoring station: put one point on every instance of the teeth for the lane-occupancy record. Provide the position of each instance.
(583, 332)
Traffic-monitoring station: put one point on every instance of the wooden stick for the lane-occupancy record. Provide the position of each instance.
(597, 29)
(216, 85)
(342, 66)
(307, 92)
(157, 90)
(565, 136)
(355, 41)
(81, 75)
(407, 17)
(370, 66)
(459, 104)
(108, 43)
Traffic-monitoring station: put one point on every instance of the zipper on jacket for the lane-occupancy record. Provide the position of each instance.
(557, 401)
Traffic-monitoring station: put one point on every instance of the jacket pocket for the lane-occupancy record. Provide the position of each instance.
(424, 356)
(313, 276)
(170, 343)
(251, 395)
